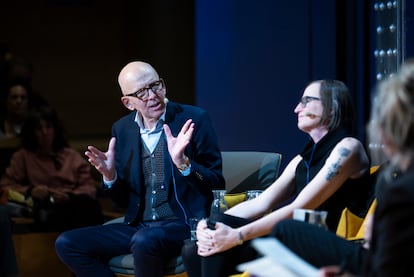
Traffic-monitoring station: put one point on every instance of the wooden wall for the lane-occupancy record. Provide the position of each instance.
(78, 47)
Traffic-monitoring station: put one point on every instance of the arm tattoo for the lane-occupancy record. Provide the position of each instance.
(336, 166)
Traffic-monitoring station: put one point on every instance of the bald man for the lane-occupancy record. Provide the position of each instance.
(162, 164)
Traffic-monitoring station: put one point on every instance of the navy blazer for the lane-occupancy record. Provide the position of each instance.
(188, 196)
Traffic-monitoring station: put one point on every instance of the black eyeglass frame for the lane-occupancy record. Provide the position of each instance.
(306, 99)
(146, 89)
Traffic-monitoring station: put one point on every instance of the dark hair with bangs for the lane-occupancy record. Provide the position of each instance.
(338, 107)
(49, 115)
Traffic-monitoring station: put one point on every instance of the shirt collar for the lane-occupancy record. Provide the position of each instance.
(156, 128)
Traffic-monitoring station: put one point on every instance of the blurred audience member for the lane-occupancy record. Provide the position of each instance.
(15, 71)
(55, 176)
(15, 108)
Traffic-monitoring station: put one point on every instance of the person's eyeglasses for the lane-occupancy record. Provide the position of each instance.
(143, 93)
(306, 99)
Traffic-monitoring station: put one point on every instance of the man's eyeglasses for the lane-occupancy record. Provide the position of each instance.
(143, 93)
(306, 99)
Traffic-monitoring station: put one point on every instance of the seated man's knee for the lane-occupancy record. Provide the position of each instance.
(63, 243)
(147, 240)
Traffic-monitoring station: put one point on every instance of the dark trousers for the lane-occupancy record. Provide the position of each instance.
(222, 264)
(86, 250)
(320, 247)
(8, 263)
(219, 265)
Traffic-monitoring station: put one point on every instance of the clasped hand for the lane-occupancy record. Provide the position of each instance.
(210, 242)
(43, 192)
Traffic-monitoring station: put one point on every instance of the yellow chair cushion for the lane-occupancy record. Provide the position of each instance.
(232, 199)
(351, 226)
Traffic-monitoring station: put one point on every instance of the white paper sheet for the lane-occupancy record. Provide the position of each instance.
(278, 260)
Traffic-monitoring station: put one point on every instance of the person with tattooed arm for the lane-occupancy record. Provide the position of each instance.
(330, 173)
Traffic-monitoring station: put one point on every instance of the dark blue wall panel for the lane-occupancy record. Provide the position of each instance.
(253, 60)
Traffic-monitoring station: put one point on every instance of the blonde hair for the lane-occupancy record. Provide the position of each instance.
(392, 111)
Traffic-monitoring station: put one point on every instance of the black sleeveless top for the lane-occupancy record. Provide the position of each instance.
(354, 193)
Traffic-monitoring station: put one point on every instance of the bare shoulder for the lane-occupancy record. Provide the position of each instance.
(352, 153)
(352, 150)
(352, 144)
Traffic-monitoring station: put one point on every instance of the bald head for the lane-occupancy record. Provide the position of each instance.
(134, 75)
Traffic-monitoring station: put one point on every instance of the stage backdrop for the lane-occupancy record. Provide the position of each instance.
(253, 60)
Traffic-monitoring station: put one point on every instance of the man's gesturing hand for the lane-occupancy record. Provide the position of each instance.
(176, 145)
(104, 162)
